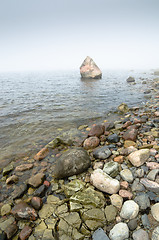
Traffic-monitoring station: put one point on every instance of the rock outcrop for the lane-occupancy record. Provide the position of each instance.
(89, 69)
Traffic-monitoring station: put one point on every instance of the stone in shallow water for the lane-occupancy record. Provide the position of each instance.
(89, 69)
(7, 169)
(140, 234)
(129, 210)
(5, 209)
(119, 232)
(73, 161)
(91, 142)
(99, 234)
(96, 130)
(139, 157)
(93, 214)
(25, 233)
(36, 180)
(24, 167)
(110, 213)
(12, 179)
(23, 211)
(104, 182)
(116, 200)
(11, 230)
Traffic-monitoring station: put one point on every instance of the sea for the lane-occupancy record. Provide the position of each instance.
(36, 106)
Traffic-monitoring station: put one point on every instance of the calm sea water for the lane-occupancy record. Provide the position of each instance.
(33, 106)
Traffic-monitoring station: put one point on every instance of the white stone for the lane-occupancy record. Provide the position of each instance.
(119, 232)
(140, 234)
(155, 211)
(139, 157)
(104, 182)
(126, 175)
(130, 210)
(155, 234)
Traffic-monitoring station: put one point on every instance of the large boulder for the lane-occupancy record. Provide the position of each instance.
(89, 69)
(73, 161)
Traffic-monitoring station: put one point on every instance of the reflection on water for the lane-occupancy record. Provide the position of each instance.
(34, 105)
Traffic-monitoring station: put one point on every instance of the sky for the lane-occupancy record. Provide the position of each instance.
(59, 34)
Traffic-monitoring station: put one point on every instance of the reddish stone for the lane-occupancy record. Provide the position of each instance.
(96, 130)
(24, 167)
(23, 211)
(124, 184)
(119, 159)
(103, 138)
(47, 184)
(106, 133)
(11, 230)
(130, 134)
(36, 202)
(125, 194)
(152, 165)
(127, 124)
(41, 154)
(25, 233)
(91, 142)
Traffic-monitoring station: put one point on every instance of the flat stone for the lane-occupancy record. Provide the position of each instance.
(104, 182)
(25, 233)
(11, 230)
(12, 179)
(127, 175)
(7, 169)
(42, 154)
(47, 210)
(93, 214)
(19, 191)
(93, 225)
(99, 234)
(113, 138)
(125, 194)
(150, 185)
(6, 223)
(152, 174)
(24, 167)
(111, 168)
(36, 180)
(132, 224)
(143, 201)
(110, 213)
(155, 234)
(72, 161)
(96, 130)
(116, 200)
(23, 211)
(137, 186)
(128, 143)
(102, 153)
(5, 209)
(91, 142)
(48, 235)
(139, 157)
(155, 211)
(73, 187)
(119, 232)
(140, 234)
(129, 210)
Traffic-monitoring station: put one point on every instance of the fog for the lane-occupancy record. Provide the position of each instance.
(58, 35)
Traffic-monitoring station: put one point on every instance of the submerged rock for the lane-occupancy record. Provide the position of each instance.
(130, 80)
(23, 211)
(73, 161)
(89, 69)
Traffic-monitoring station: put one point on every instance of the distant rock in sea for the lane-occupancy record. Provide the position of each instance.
(130, 80)
(156, 72)
(89, 69)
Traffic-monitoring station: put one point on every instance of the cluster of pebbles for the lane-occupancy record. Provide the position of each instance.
(99, 182)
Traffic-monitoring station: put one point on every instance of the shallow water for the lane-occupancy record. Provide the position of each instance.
(34, 106)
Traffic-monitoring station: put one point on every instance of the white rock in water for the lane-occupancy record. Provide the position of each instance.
(119, 232)
(104, 182)
(139, 157)
(89, 69)
(130, 210)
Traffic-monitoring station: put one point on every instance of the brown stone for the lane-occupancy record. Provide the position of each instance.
(36, 202)
(152, 165)
(89, 69)
(124, 184)
(23, 211)
(42, 154)
(91, 142)
(127, 124)
(119, 159)
(36, 180)
(125, 194)
(25, 233)
(129, 143)
(12, 179)
(130, 134)
(11, 230)
(24, 167)
(96, 130)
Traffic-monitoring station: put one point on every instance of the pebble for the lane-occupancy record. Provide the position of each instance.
(23, 211)
(110, 213)
(25, 233)
(91, 142)
(11, 230)
(99, 234)
(36, 202)
(119, 232)
(155, 211)
(111, 168)
(5, 209)
(150, 185)
(132, 224)
(139, 157)
(140, 173)
(152, 174)
(102, 153)
(145, 221)
(113, 138)
(36, 180)
(129, 210)
(155, 234)
(41, 154)
(140, 234)
(127, 175)
(116, 200)
(24, 167)
(12, 179)
(104, 182)
(143, 201)
(96, 130)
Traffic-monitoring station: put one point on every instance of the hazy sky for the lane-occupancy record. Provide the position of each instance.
(59, 34)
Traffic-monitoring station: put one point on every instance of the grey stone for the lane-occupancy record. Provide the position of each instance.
(119, 232)
(129, 210)
(19, 191)
(152, 174)
(111, 168)
(127, 175)
(143, 201)
(113, 138)
(102, 153)
(155, 234)
(145, 221)
(99, 234)
(73, 161)
(140, 234)
(132, 224)
(137, 186)
(150, 185)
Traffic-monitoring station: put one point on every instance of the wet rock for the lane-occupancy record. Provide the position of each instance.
(36, 180)
(150, 185)
(96, 130)
(25, 233)
(111, 168)
(125, 194)
(7, 169)
(119, 232)
(73, 161)
(89, 69)
(3, 236)
(47, 210)
(40, 192)
(139, 157)
(91, 142)
(126, 175)
(140, 234)
(155, 234)
(110, 213)
(104, 182)
(155, 211)
(12, 179)
(19, 191)
(73, 187)
(5, 209)
(116, 200)
(102, 153)
(129, 210)
(99, 234)
(108, 125)
(123, 107)
(113, 138)
(4, 225)
(132, 224)
(36, 202)
(130, 134)
(11, 231)
(130, 79)
(23, 211)
(143, 201)
(41, 154)
(24, 167)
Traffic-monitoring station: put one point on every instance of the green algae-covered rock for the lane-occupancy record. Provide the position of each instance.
(73, 187)
(93, 214)
(110, 213)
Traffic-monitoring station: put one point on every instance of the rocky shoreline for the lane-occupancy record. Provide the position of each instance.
(95, 182)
